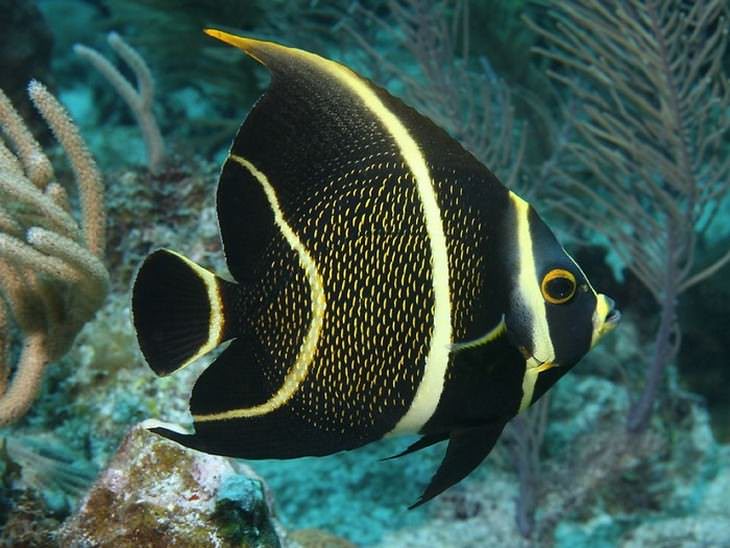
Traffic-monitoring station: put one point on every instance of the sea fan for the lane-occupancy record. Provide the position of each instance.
(653, 123)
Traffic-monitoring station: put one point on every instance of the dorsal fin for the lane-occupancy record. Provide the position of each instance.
(319, 132)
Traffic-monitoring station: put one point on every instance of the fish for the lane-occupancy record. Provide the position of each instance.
(382, 282)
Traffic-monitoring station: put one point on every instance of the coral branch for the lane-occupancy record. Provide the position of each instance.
(52, 279)
(88, 178)
(26, 382)
(36, 165)
(139, 100)
(655, 111)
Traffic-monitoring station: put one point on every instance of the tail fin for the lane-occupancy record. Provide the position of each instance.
(179, 310)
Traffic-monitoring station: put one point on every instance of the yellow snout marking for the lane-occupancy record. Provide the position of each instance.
(600, 325)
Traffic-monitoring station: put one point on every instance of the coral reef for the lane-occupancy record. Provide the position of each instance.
(591, 483)
(52, 278)
(28, 523)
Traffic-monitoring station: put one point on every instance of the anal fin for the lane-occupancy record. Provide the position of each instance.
(233, 413)
(422, 443)
(235, 380)
(467, 449)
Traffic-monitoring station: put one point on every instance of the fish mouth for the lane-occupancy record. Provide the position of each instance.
(614, 316)
(606, 318)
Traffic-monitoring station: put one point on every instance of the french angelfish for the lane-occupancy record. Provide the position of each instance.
(385, 282)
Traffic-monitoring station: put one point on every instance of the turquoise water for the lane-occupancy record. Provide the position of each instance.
(623, 155)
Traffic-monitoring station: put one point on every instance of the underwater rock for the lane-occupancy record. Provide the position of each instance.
(317, 538)
(479, 514)
(709, 525)
(158, 493)
(684, 532)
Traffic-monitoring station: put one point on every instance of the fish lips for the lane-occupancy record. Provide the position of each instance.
(612, 318)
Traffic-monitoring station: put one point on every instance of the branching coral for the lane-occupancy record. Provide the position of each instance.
(422, 51)
(52, 278)
(462, 95)
(653, 129)
(139, 100)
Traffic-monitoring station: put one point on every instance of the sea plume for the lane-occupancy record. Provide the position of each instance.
(650, 159)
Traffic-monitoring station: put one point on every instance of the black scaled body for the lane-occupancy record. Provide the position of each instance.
(385, 283)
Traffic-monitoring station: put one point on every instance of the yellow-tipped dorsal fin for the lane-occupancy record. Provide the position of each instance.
(261, 50)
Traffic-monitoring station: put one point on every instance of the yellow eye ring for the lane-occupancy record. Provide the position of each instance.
(558, 286)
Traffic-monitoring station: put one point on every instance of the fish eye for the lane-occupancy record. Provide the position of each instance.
(558, 286)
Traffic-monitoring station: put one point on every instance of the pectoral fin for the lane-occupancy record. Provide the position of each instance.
(467, 449)
(491, 335)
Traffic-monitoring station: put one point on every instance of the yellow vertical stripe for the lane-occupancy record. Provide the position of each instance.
(431, 386)
(528, 387)
(216, 320)
(298, 371)
(530, 300)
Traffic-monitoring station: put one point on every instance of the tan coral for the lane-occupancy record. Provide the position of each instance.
(52, 278)
(138, 99)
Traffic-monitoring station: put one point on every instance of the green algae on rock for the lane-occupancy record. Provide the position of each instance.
(156, 493)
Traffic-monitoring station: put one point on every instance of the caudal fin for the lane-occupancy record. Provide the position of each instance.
(179, 310)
